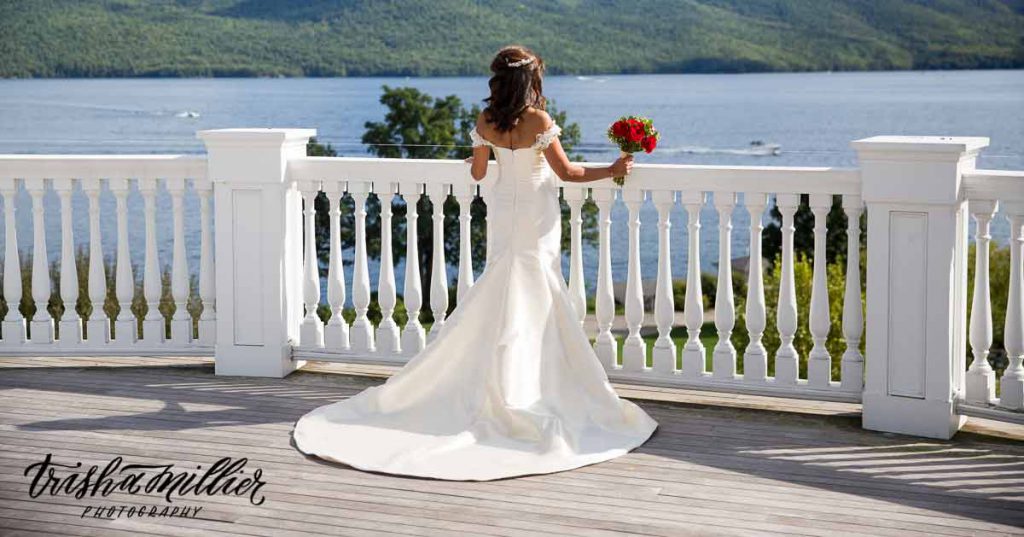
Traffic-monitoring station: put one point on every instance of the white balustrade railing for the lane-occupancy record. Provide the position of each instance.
(666, 186)
(265, 190)
(990, 193)
(92, 178)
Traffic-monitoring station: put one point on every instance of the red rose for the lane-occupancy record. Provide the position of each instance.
(636, 130)
(620, 129)
(649, 143)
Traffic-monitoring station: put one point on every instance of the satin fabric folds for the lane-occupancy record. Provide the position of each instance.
(510, 385)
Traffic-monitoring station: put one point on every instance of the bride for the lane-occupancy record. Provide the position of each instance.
(510, 385)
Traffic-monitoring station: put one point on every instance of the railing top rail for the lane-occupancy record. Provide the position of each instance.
(794, 180)
(102, 166)
(1004, 185)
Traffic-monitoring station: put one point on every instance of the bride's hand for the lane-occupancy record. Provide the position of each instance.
(622, 167)
(469, 160)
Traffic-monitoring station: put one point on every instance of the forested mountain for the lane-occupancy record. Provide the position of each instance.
(86, 38)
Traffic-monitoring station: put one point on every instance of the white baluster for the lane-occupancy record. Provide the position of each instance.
(852, 374)
(361, 334)
(664, 354)
(14, 322)
(464, 195)
(70, 322)
(181, 320)
(693, 314)
(311, 334)
(634, 350)
(787, 361)
(439, 269)
(981, 379)
(153, 323)
(413, 335)
(725, 304)
(336, 332)
(819, 362)
(42, 322)
(755, 357)
(207, 289)
(1012, 384)
(604, 307)
(99, 323)
(577, 290)
(388, 335)
(125, 325)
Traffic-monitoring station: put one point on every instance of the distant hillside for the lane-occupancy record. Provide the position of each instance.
(110, 38)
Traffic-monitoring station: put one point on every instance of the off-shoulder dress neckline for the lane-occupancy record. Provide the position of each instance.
(543, 139)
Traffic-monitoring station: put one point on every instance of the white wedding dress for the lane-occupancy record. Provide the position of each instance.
(510, 385)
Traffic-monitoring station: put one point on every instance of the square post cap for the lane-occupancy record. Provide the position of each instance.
(255, 136)
(941, 148)
(913, 170)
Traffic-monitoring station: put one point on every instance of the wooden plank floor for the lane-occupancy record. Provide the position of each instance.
(719, 464)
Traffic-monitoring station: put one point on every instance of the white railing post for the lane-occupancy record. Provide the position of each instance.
(98, 325)
(693, 359)
(724, 361)
(852, 368)
(153, 322)
(361, 333)
(389, 337)
(70, 322)
(981, 378)
(414, 337)
(42, 322)
(464, 195)
(438, 268)
(311, 334)
(819, 361)
(663, 357)
(207, 289)
(917, 281)
(755, 357)
(605, 345)
(634, 350)
(577, 290)
(181, 320)
(1012, 384)
(787, 360)
(125, 325)
(258, 248)
(336, 332)
(14, 322)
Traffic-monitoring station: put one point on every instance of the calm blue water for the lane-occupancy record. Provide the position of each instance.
(704, 119)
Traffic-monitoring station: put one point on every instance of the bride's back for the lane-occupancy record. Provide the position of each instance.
(531, 123)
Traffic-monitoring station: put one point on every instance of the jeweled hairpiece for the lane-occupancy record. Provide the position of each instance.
(520, 63)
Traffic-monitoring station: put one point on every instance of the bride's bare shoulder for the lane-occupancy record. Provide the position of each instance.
(537, 118)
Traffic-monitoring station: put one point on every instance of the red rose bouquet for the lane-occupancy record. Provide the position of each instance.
(632, 134)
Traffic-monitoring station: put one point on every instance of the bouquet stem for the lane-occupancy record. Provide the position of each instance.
(621, 180)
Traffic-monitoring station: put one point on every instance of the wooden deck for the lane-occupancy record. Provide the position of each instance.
(719, 464)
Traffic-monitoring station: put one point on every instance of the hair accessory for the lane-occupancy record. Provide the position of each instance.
(520, 63)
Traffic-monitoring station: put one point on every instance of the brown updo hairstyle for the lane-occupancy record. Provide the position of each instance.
(514, 89)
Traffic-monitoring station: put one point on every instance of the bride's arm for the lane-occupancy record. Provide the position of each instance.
(478, 168)
(571, 172)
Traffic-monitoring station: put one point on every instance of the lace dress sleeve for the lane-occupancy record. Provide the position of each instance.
(477, 139)
(545, 138)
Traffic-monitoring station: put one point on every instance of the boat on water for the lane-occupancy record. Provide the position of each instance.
(758, 147)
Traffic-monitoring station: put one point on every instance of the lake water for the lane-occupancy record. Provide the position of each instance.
(704, 119)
